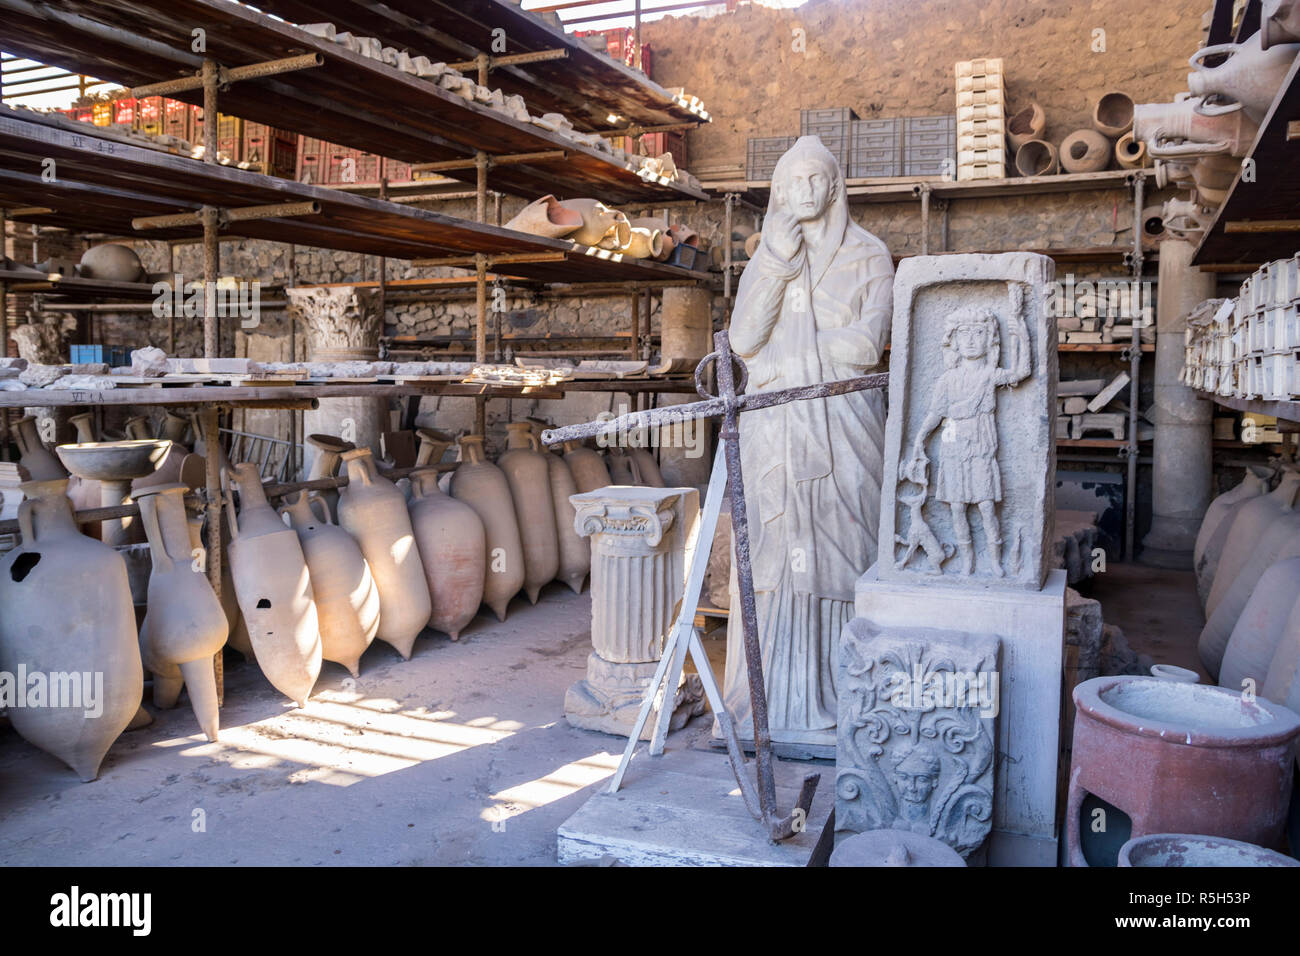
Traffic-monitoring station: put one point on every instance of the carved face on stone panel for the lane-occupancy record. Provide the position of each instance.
(916, 773)
(971, 334)
(808, 190)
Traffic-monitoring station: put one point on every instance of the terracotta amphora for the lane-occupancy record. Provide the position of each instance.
(620, 466)
(1282, 680)
(273, 586)
(588, 467)
(37, 460)
(329, 452)
(644, 244)
(67, 623)
(236, 630)
(1260, 627)
(1216, 524)
(451, 538)
(1279, 22)
(1249, 524)
(547, 217)
(483, 486)
(575, 550)
(1250, 75)
(185, 625)
(373, 511)
(1085, 151)
(1131, 152)
(668, 243)
(601, 226)
(347, 601)
(529, 477)
(644, 467)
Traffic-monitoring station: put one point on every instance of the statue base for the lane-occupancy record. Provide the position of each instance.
(610, 696)
(1031, 628)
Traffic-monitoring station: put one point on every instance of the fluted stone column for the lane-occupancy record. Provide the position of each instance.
(638, 574)
(343, 324)
(1183, 462)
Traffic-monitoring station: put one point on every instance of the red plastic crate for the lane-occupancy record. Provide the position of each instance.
(150, 110)
(176, 119)
(124, 111)
(312, 160)
(349, 166)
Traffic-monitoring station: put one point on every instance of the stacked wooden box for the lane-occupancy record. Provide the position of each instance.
(981, 125)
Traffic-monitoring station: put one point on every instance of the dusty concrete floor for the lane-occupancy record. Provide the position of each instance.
(459, 756)
(1157, 610)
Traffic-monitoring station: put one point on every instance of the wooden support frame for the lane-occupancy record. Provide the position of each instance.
(227, 75)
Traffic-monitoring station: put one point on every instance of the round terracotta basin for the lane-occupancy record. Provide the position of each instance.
(114, 460)
(1186, 849)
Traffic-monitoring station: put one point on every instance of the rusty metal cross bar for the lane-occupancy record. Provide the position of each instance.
(729, 402)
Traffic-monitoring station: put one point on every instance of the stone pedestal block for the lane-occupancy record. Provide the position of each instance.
(637, 578)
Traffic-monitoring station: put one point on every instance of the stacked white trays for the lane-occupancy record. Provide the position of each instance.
(981, 123)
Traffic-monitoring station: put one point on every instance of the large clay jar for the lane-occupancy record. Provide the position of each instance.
(329, 452)
(1025, 125)
(1085, 151)
(1216, 524)
(546, 217)
(37, 460)
(644, 467)
(483, 486)
(273, 586)
(1261, 627)
(1250, 75)
(85, 492)
(347, 601)
(644, 243)
(1279, 23)
(667, 242)
(1266, 530)
(236, 630)
(588, 467)
(373, 511)
(575, 550)
(601, 226)
(65, 608)
(620, 467)
(529, 477)
(185, 625)
(451, 537)
(1112, 115)
(1282, 683)
(1037, 158)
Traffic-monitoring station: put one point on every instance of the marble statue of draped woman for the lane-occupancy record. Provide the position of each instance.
(813, 305)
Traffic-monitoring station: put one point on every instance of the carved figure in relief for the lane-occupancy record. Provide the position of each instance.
(964, 402)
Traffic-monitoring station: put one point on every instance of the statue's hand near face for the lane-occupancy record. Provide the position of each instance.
(783, 236)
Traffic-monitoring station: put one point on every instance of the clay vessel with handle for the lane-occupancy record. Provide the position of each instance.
(451, 537)
(529, 478)
(547, 217)
(483, 486)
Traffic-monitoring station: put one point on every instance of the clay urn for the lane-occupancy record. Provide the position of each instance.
(588, 467)
(269, 572)
(85, 426)
(1037, 158)
(620, 466)
(451, 536)
(1026, 125)
(36, 460)
(528, 475)
(66, 609)
(1261, 627)
(1217, 522)
(1186, 849)
(1176, 758)
(684, 235)
(329, 451)
(1131, 152)
(347, 601)
(645, 470)
(601, 226)
(644, 244)
(1251, 74)
(1279, 23)
(547, 217)
(575, 550)
(1085, 151)
(111, 262)
(1186, 129)
(433, 445)
(668, 243)
(483, 486)
(185, 625)
(373, 511)
(1112, 114)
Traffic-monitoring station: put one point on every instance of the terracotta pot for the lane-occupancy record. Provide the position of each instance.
(1264, 531)
(1037, 158)
(269, 572)
(1251, 75)
(529, 477)
(373, 511)
(684, 235)
(547, 217)
(347, 601)
(575, 550)
(1131, 152)
(667, 243)
(1261, 627)
(644, 244)
(483, 486)
(139, 428)
(644, 468)
(620, 466)
(1185, 849)
(433, 445)
(1026, 125)
(236, 630)
(1214, 176)
(1184, 130)
(329, 451)
(1176, 758)
(588, 467)
(1279, 23)
(66, 608)
(1112, 115)
(174, 427)
(85, 426)
(35, 459)
(1085, 151)
(1153, 227)
(601, 226)
(452, 539)
(185, 625)
(1216, 524)
(111, 262)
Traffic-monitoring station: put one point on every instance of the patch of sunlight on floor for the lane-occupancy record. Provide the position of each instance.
(554, 786)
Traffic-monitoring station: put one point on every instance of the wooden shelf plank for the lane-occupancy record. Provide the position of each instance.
(906, 188)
